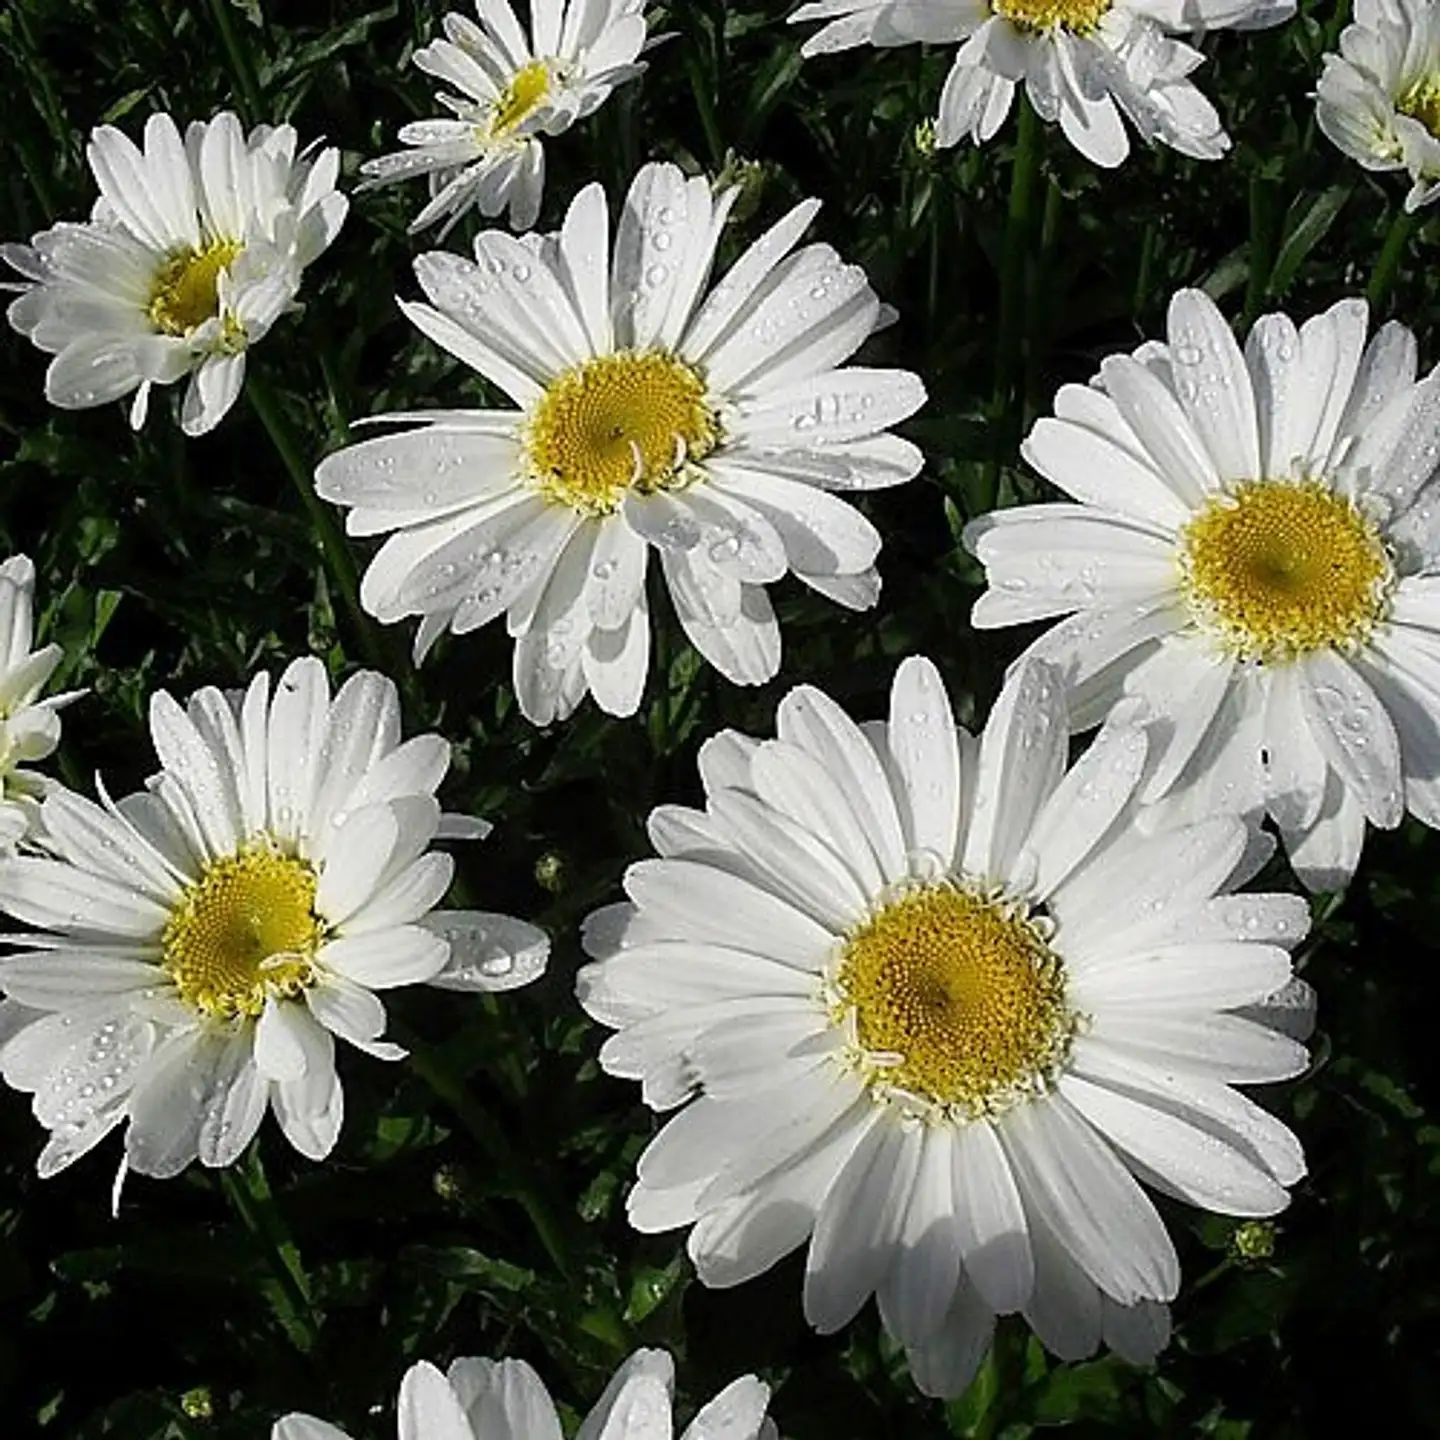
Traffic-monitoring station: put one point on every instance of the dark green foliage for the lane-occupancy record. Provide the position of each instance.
(474, 1204)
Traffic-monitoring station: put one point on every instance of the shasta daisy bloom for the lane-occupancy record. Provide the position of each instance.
(514, 90)
(709, 427)
(935, 1004)
(506, 1400)
(1252, 552)
(193, 250)
(1089, 64)
(1379, 98)
(29, 726)
(200, 945)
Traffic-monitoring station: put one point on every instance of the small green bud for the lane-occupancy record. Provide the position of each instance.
(1253, 1241)
(551, 872)
(451, 1184)
(198, 1404)
(748, 176)
(924, 138)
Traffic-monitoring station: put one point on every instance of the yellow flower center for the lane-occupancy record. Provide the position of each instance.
(958, 1000)
(528, 89)
(186, 289)
(632, 420)
(1276, 570)
(1422, 102)
(1079, 16)
(245, 930)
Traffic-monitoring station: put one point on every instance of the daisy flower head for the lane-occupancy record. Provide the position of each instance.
(29, 725)
(1251, 549)
(707, 424)
(1088, 64)
(193, 250)
(514, 90)
(198, 946)
(506, 1400)
(935, 1004)
(1379, 98)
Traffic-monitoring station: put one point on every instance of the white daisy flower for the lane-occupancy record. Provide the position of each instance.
(514, 90)
(191, 253)
(1085, 63)
(935, 1004)
(506, 1400)
(1379, 99)
(710, 427)
(1253, 553)
(29, 726)
(200, 944)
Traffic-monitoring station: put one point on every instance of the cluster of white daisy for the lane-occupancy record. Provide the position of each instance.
(937, 1006)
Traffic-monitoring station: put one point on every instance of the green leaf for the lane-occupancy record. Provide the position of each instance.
(1303, 232)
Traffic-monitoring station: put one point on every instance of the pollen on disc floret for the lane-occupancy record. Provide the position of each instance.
(185, 291)
(528, 89)
(958, 1000)
(244, 931)
(1276, 570)
(632, 420)
(1078, 16)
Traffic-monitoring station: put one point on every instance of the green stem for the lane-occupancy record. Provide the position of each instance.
(1382, 278)
(1035, 299)
(338, 559)
(1019, 221)
(248, 1191)
(239, 57)
(433, 1069)
(1264, 233)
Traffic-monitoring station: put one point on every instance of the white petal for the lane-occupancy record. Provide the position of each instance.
(945, 1365)
(809, 719)
(487, 952)
(1022, 757)
(1090, 1200)
(383, 959)
(1094, 470)
(855, 1231)
(1201, 1168)
(429, 1409)
(1214, 384)
(310, 1110)
(64, 898)
(916, 1293)
(504, 1398)
(280, 1047)
(793, 861)
(994, 1236)
(926, 752)
(1082, 808)
(1354, 733)
(700, 903)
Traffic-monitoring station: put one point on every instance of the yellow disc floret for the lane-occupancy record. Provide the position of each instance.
(186, 289)
(528, 89)
(1078, 16)
(1422, 102)
(958, 1001)
(1275, 570)
(632, 420)
(244, 931)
